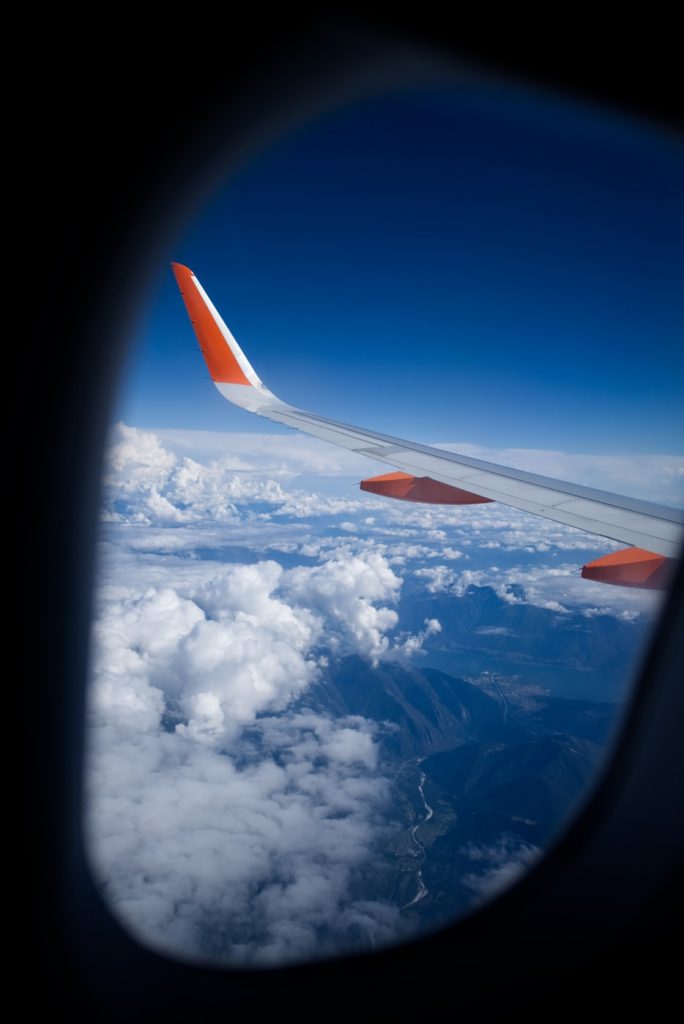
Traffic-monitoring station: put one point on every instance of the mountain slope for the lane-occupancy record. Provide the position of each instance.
(427, 710)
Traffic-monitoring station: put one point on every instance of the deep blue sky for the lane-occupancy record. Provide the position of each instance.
(473, 264)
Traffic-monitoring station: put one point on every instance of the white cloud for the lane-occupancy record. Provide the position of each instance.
(413, 644)
(498, 865)
(560, 589)
(224, 662)
(439, 578)
(238, 857)
(147, 483)
(344, 590)
(303, 505)
(651, 476)
(283, 456)
(222, 823)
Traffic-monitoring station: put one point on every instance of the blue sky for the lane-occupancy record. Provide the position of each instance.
(451, 265)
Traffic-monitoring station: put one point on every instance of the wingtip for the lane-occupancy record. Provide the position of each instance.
(222, 354)
(180, 268)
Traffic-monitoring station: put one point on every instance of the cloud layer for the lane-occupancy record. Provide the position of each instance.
(227, 820)
(191, 476)
(223, 823)
(245, 856)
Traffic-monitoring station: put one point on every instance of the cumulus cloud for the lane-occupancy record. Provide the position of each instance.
(498, 866)
(223, 657)
(560, 589)
(413, 643)
(438, 578)
(224, 822)
(234, 641)
(146, 483)
(345, 590)
(303, 505)
(238, 856)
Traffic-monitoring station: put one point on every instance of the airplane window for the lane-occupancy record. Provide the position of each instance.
(323, 720)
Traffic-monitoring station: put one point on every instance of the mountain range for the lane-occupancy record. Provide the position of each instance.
(484, 773)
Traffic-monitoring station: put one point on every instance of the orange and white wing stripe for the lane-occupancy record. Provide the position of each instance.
(229, 367)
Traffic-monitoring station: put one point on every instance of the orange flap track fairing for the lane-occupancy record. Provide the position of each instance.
(419, 488)
(632, 567)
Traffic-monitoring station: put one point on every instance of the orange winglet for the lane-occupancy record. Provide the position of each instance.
(223, 366)
(421, 488)
(631, 567)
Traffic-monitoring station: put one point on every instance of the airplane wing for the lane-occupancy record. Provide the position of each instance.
(433, 475)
